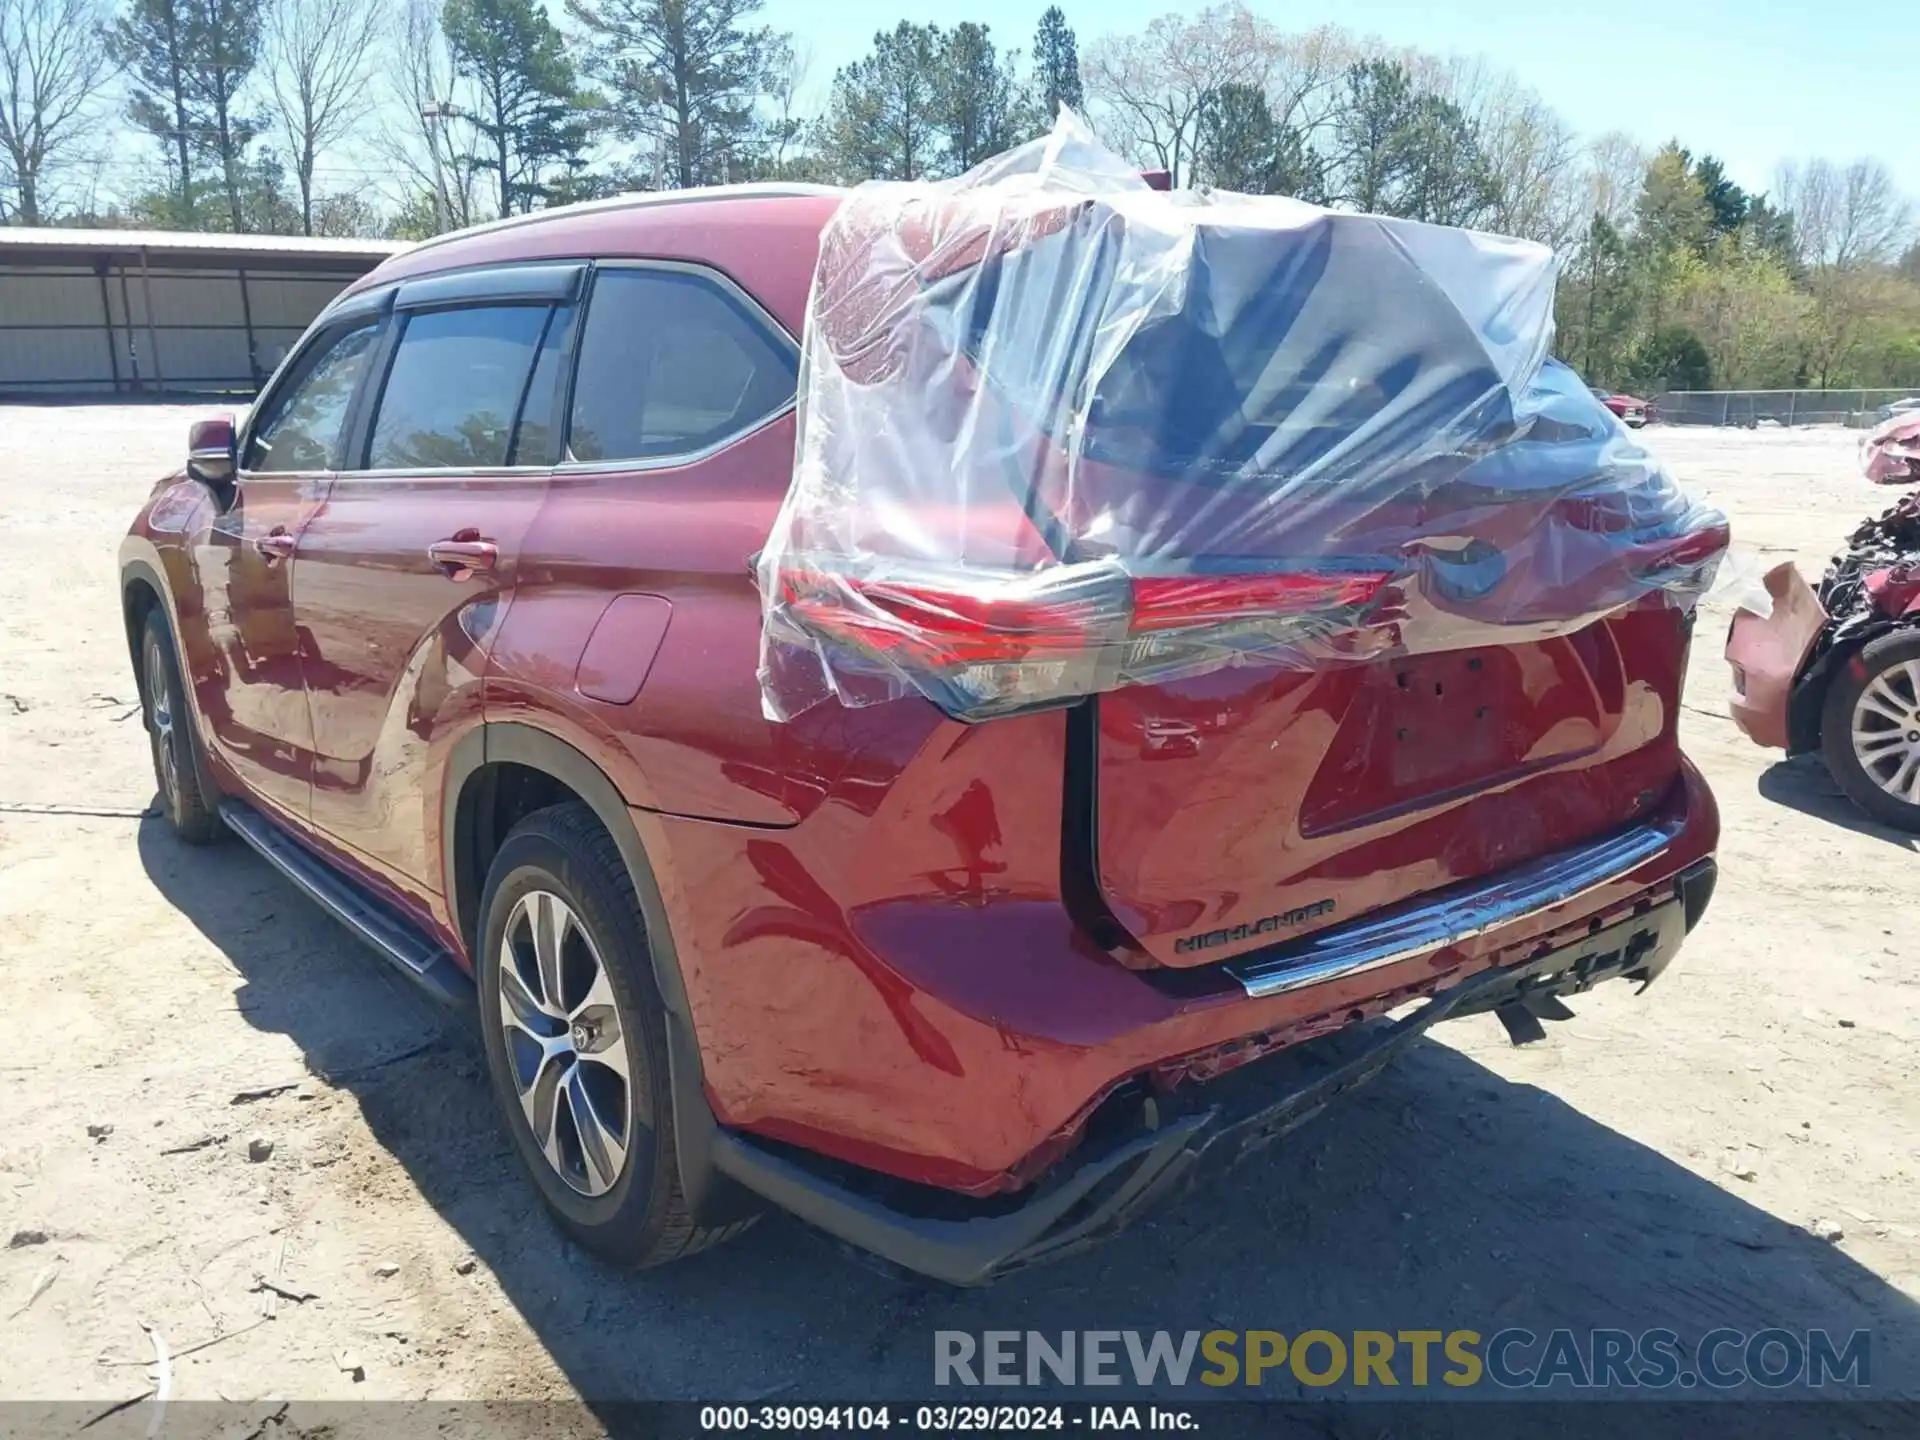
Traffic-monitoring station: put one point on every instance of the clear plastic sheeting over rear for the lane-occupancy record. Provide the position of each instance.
(1060, 432)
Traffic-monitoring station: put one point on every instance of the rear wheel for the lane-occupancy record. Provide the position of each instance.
(1870, 729)
(576, 1041)
(170, 737)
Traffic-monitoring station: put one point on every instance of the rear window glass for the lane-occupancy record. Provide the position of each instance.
(1238, 384)
(457, 382)
(671, 363)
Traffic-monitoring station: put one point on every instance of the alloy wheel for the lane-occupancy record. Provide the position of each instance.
(166, 763)
(1886, 730)
(566, 1043)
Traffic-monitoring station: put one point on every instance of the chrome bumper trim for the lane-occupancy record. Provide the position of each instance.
(1450, 917)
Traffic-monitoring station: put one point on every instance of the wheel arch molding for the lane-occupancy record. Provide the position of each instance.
(136, 574)
(512, 743)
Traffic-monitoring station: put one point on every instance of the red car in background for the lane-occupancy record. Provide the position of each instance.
(1632, 410)
(1835, 669)
(458, 630)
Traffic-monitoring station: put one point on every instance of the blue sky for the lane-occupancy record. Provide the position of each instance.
(1752, 81)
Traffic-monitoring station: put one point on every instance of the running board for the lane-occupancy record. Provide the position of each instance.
(392, 935)
(1448, 918)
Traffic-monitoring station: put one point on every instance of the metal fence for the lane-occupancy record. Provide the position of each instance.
(1780, 407)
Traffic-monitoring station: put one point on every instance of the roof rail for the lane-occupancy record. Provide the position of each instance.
(637, 200)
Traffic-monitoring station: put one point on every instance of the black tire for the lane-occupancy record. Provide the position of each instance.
(1890, 653)
(643, 1219)
(170, 738)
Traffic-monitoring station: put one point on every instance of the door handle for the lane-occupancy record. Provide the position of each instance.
(276, 544)
(463, 554)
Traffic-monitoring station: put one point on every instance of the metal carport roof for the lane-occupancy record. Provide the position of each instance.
(159, 311)
(174, 248)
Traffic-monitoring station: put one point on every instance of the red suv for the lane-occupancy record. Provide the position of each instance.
(459, 630)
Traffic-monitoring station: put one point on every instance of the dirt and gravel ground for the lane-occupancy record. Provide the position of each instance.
(1658, 1161)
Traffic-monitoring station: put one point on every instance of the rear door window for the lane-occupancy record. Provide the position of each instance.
(456, 387)
(300, 429)
(672, 363)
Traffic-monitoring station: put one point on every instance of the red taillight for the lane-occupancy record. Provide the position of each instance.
(1602, 515)
(913, 620)
(1039, 640)
(1175, 602)
(1679, 553)
(1632, 516)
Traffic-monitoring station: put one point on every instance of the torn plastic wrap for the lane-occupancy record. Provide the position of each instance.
(1060, 432)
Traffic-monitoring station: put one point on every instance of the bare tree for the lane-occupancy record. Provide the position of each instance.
(316, 63)
(1847, 222)
(1531, 152)
(1844, 217)
(788, 67)
(1614, 170)
(1152, 87)
(1303, 79)
(432, 152)
(53, 66)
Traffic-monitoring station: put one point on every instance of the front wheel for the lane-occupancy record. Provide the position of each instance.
(163, 699)
(576, 1040)
(1870, 729)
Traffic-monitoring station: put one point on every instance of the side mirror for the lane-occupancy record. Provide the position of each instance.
(210, 457)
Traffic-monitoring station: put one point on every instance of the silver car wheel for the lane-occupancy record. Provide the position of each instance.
(1886, 730)
(166, 763)
(566, 1043)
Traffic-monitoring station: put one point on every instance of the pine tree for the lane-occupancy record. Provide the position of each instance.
(150, 40)
(1726, 200)
(883, 117)
(187, 61)
(512, 55)
(980, 106)
(682, 76)
(1056, 63)
(1243, 148)
(1408, 152)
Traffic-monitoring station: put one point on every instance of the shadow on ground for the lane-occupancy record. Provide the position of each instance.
(1803, 784)
(1440, 1197)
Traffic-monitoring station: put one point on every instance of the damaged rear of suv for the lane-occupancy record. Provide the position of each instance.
(1305, 643)
(1195, 644)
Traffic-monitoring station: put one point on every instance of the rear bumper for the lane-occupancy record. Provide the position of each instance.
(1173, 1141)
(1768, 653)
(1463, 913)
(943, 1044)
